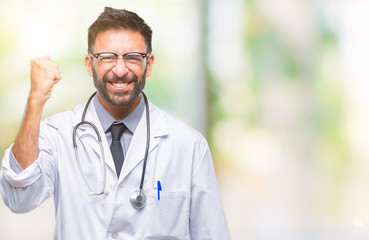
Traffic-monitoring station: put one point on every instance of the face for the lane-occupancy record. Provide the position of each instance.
(119, 86)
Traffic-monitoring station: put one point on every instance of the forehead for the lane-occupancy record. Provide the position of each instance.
(119, 41)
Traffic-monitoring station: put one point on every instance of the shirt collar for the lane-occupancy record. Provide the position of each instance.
(131, 121)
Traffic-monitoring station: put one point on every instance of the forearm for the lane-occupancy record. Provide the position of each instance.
(44, 74)
(25, 148)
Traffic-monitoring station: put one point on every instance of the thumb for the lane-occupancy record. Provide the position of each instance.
(47, 57)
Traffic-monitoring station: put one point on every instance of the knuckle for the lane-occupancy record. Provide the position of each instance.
(38, 60)
(33, 61)
(49, 72)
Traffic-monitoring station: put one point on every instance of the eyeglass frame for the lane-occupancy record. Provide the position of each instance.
(96, 55)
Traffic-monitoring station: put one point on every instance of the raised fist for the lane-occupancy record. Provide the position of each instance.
(44, 75)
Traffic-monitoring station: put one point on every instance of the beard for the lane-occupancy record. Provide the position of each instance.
(119, 99)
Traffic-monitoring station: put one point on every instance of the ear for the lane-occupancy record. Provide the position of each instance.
(150, 62)
(88, 65)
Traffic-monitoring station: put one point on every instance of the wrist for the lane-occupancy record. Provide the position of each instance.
(36, 100)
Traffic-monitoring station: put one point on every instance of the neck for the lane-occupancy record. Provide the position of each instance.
(119, 113)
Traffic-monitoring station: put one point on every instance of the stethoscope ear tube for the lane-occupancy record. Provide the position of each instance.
(104, 189)
(85, 122)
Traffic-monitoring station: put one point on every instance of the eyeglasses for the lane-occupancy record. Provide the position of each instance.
(108, 60)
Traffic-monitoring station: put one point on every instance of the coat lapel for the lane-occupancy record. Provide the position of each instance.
(137, 147)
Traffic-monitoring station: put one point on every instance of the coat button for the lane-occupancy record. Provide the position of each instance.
(114, 235)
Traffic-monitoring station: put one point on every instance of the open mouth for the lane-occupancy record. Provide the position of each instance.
(119, 85)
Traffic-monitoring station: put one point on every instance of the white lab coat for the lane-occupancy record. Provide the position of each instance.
(179, 157)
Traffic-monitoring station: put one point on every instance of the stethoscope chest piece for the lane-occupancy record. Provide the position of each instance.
(138, 199)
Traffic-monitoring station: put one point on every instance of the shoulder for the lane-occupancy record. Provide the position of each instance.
(178, 130)
(62, 119)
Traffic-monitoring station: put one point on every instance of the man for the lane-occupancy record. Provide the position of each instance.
(96, 189)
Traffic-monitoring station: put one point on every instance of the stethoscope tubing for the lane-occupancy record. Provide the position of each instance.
(147, 141)
(82, 122)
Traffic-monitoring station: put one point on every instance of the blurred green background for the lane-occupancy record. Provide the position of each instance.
(279, 88)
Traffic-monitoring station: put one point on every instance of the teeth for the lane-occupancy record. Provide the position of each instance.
(119, 85)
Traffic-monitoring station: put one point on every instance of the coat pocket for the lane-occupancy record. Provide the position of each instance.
(167, 218)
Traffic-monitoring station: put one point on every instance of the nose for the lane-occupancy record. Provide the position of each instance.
(120, 68)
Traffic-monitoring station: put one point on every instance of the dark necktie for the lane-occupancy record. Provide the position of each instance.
(115, 147)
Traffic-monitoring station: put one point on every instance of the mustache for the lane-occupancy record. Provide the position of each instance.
(124, 79)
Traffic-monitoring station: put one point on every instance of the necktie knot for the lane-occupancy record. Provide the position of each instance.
(117, 131)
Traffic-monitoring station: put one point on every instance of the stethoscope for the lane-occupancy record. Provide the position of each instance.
(138, 197)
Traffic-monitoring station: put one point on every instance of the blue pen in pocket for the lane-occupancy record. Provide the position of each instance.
(159, 189)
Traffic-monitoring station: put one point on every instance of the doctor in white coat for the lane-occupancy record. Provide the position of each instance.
(92, 193)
